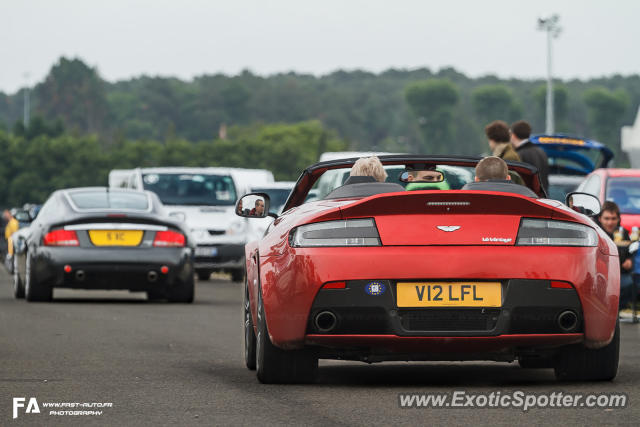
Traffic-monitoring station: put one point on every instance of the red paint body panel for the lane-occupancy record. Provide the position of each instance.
(291, 277)
(473, 230)
(395, 344)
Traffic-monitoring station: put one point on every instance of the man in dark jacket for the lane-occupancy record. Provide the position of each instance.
(609, 221)
(528, 152)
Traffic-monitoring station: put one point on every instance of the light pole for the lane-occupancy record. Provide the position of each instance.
(27, 107)
(552, 27)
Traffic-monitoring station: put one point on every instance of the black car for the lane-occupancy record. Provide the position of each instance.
(102, 238)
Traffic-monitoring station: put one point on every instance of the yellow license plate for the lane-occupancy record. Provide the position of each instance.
(449, 294)
(116, 237)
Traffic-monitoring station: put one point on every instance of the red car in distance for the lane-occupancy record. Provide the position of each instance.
(621, 186)
(372, 272)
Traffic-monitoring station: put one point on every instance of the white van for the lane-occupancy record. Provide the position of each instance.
(118, 178)
(205, 199)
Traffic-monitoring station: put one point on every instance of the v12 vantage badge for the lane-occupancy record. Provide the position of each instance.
(497, 239)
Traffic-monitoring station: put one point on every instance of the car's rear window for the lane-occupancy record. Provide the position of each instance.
(87, 200)
(455, 178)
(625, 192)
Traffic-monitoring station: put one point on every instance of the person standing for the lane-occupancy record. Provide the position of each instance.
(528, 151)
(609, 221)
(499, 137)
(11, 227)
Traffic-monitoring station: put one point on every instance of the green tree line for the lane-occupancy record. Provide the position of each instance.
(402, 110)
(43, 159)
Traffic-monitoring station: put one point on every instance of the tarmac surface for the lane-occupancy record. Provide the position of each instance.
(182, 364)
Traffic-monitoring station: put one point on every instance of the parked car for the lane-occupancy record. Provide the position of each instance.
(621, 186)
(570, 160)
(101, 238)
(204, 198)
(375, 273)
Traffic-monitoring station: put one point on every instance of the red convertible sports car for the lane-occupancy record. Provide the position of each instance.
(378, 272)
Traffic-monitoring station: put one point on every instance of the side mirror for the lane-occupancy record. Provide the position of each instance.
(254, 205)
(586, 204)
(422, 176)
(180, 216)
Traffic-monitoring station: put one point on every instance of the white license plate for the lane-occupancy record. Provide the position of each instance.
(205, 251)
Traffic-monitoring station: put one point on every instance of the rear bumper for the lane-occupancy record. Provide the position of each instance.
(439, 348)
(136, 269)
(291, 282)
(528, 307)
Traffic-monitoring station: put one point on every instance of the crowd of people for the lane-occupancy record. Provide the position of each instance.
(512, 144)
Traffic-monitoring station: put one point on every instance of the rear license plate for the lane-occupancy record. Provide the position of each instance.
(449, 294)
(206, 251)
(116, 237)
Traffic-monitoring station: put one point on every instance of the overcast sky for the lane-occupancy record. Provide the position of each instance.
(185, 38)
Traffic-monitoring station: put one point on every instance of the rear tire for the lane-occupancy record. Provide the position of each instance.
(249, 332)
(277, 366)
(18, 286)
(155, 295)
(577, 363)
(182, 291)
(237, 275)
(35, 290)
(203, 275)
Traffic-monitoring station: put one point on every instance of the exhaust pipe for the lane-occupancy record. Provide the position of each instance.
(325, 321)
(152, 276)
(568, 321)
(80, 276)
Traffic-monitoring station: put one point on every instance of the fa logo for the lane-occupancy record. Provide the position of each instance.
(32, 406)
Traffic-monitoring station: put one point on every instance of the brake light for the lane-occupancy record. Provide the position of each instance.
(335, 285)
(61, 238)
(169, 239)
(560, 285)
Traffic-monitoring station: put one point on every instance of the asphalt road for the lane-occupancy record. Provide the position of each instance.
(168, 364)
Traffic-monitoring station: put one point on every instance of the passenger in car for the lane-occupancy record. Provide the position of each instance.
(366, 178)
(492, 174)
(366, 169)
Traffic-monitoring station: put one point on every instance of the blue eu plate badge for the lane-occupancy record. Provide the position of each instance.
(375, 288)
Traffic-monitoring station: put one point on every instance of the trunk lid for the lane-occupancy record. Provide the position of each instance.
(450, 218)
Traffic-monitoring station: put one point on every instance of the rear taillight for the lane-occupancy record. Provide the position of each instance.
(169, 239)
(560, 285)
(61, 238)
